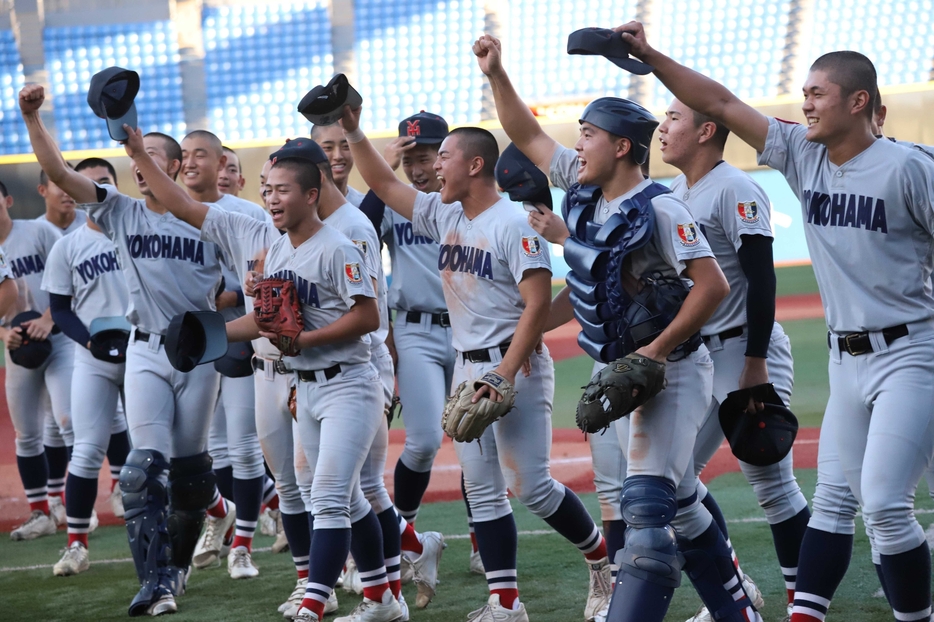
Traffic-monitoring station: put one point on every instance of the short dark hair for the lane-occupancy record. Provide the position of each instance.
(852, 72)
(44, 178)
(3, 191)
(720, 134)
(307, 173)
(477, 142)
(315, 127)
(95, 163)
(877, 102)
(211, 137)
(173, 151)
(229, 150)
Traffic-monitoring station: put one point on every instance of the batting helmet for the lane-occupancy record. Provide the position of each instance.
(761, 438)
(624, 118)
(521, 179)
(31, 354)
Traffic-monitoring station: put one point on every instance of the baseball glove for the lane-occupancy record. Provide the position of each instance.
(277, 310)
(465, 421)
(617, 390)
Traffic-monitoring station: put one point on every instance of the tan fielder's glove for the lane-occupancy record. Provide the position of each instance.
(465, 421)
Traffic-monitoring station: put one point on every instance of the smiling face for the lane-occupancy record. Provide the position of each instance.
(155, 147)
(287, 203)
(230, 180)
(332, 141)
(678, 135)
(597, 153)
(56, 200)
(451, 169)
(418, 165)
(826, 111)
(201, 163)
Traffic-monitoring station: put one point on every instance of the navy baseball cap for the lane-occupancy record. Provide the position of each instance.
(324, 104)
(31, 354)
(761, 438)
(111, 98)
(195, 337)
(427, 128)
(609, 44)
(301, 148)
(521, 179)
(110, 335)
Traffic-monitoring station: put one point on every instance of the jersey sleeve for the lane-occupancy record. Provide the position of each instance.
(104, 213)
(57, 276)
(919, 189)
(364, 238)
(785, 147)
(5, 271)
(425, 215)
(348, 274)
(48, 235)
(385, 226)
(744, 210)
(679, 238)
(237, 236)
(563, 168)
(523, 249)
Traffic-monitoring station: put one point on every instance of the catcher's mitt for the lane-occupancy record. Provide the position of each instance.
(464, 421)
(617, 390)
(277, 310)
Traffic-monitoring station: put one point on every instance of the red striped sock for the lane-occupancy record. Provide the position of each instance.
(42, 506)
(113, 483)
(218, 507)
(803, 617)
(375, 593)
(273, 503)
(78, 537)
(242, 541)
(507, 596)
(473, 541)
(598, 553)
(302, 574)
(396, 587)
(315, 606)
(791, 596)
(410, 541)
(60, 494)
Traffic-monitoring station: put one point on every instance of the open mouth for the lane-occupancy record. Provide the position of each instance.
(420, 184)
(441, 179)
(139, 178)
(812, 121)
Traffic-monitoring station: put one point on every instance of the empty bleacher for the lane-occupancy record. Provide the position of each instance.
(12, 128)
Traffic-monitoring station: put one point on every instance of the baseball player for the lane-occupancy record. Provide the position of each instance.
(59, 207)
(747, 346)
(230, 179)
(659, 493)
(84, 282)
(339, 394)
(168, 270)
(332, 140)
(497, 282)
(867, 208)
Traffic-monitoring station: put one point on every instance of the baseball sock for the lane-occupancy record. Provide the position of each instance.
(711, 504)
(881, 575)
(470, 525)
(80, 494)
(270, 496)
(299, 537)
(409, 536)
(499, 544)
(615, 533)
(392, 549)
(224, 478)
(218, 506)
(248, 495)
(409, 487)
(58, 465)
(908, 579)
(572, 521)
(709, 565)
(34, 473)
(366, 546)
(787, 536)
(329, 549)
(823, 562)
(117, 450)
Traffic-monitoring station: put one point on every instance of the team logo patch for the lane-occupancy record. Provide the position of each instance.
(531, 246)
(413, 128)
(361, 244)
(687, 234)
(748, 212)
(352, 270)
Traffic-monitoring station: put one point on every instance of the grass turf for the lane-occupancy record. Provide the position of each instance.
(552, 577)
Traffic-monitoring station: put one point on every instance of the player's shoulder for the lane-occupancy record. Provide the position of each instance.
(38, 228)
(241, 206)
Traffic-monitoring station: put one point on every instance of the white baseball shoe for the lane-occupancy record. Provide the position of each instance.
(387, 610)
(164, 604)
(600, 589)
(57, 511)
(267, 522)
(210, 548)
(350, 578)
(289, 609)
(95, 522)
(426, 567)
(406, 568)
(404, 607)
(240, 564)
(753, 592)
(37, 525)
(476, 564)
(116, 502)
(494, 612)
(281, 545)
(788, 611)
(305, 615)
(74, 561)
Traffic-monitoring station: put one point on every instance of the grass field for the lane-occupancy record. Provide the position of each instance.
(552, 577)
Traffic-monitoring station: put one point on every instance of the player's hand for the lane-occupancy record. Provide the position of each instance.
(40, 328)
(550, 226)
(634, 35)
(391, 346)
(134, 142)
(489, 53)
(31, 98)
(12, 338)
(755, 372)
(254, 275)
(396, 148)
(489, 391)
(527, 365)
(350, 121)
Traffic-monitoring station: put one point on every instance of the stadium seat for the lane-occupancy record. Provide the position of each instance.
(12, 128)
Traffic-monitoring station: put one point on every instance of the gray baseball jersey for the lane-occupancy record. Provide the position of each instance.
(416, 282)
(27, 249)
(5, 271)
(849, 212)
(481, 262)
(328, 270)
(354, 196)
(149, 246)
(727, 204)
(233, 280)
(84, 265)
(80, 219)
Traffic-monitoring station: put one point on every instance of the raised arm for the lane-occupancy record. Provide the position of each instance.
(168, 193)
(517, 120)
(374, 169)
(699, 92)
(76, 185)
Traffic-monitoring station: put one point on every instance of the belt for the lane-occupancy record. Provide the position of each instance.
(278, 366)
(483, 355)
(727, 334)
(143, 336)
(309, 376)
(442, 319)
(856, 344)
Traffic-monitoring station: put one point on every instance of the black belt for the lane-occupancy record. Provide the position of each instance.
(856, 344)
(483, 355)
(309, 376)
(727, 334)
(142, 336)
(278, 366)
(442, 319)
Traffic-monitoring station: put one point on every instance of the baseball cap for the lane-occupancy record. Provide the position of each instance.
(324, 105)
(762, 438)
(521, 179)
(111, 335)
(195, 337)
(111, 96)
(427, 128)
(301, 148)
(31, 354)
(609, 44)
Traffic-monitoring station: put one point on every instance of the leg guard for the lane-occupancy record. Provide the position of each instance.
(191, 488)
(144, 502)
(649, 563)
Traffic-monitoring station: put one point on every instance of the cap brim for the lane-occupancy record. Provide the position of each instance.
(101, 324)
(215, 335)
(632, 65)
(428, 140)
(115, 126)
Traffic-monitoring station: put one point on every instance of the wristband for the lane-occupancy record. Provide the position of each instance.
(355, 136)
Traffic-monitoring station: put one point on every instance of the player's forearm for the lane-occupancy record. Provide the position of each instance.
(77, 186)
(8, 295)
(519, 123)
(381, 179)
(168, 193)
(535, 289)
(561, 310)
(242, 329)
(363, 318)
(691, 88)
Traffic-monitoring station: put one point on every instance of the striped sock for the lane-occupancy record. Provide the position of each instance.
(375, 583)
(809, 608)
(218, 506)
(505, 584)
(79, 504)
(329, 548)
(908, 579)
(410, 487)
(34, 473)
(787, 536)
(270, 496)
(114, 476)
(248, 496)
(392, 549)
(572, 521)
(243, 534)
(410, 541)
(499, 543)
(366, 546)
(825, 558)
(58, 467)
(298, 533)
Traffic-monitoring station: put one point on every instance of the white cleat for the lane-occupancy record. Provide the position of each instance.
(95, 522)
(281, 545)
(331, 606)
(240, 564)
(116, 502)
(289, 609)
(752, 591)
(37, 525)
(387, 610)
(165, 604)
(476, 564)
(494, 612)
(788, 611)
(57, 511)
(210, 547)
(407, 568)
(600, 589)
(426, 567)
(74, 561)
(267, 522)
(305, 615)
(350, 579)
(404, 607)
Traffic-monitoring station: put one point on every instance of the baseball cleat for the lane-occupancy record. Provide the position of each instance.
(164, 604)
(37, 525)
(426, 567)
(116, 502)
(331, 606)
(494, 612)
(788, 611)
(305, 615)
(281, 544)
(210, 547)
(350, 578)
(57, 511)
(74, 561)
(407, 568)
(95, 522)
(387, 610)
(267, 522)
(752, 591)
(289, 609)
(476, 564)
(600, 589)
(404, 607)
(240, 564)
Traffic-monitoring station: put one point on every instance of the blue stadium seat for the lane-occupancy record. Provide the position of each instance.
(12, 128)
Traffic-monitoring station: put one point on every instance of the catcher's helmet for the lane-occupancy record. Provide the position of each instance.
(31, 354)
(625, 118)
(521, 179)
(195, 337)
(761, 438)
